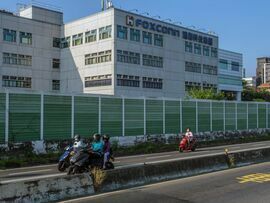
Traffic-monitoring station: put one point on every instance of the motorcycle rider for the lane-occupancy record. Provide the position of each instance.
(107, 149)
(97, 146)
(189, 136)
(78, 143)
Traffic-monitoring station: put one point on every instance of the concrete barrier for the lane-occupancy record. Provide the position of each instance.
(47, 190)
(152, 172)
(67, 187)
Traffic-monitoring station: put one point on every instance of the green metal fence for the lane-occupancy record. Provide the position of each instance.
(27, 117)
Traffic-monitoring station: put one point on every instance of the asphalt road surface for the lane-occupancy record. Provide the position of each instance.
(249, 184)
(38, 172)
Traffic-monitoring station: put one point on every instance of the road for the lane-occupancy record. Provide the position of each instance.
(38, 172)
(249, 184)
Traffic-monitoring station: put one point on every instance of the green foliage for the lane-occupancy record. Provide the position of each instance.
(252, 95)
(209, 94)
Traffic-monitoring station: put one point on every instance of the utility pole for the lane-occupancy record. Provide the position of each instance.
(102, 5)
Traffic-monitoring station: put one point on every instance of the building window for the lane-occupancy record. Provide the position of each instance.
(65, 42)
(97, 81)
(77, 39)
(91, 36)
(210, 86)
(153, 83)
(122, 32)
(135, 35)
(235, 66)
(192, 85)
(197, 49)
(128, 80)
(56, 63)
(188, 47)
(128, 57)
(206, 51)
(105, 32)
(56, 85)
(158, 40)
(147, 37)
(154, 61)
(210, 70)
(193, 67)
(14, 81)
(223, 64)
(9, 35)
(17, 59)
(100, 57)
(25, 38)
(230, 80)
(56, 42)
(214, 52)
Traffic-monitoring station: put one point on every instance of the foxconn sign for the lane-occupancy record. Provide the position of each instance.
(131, 21)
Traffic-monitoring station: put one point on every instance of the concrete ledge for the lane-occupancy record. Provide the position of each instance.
(161, 171)
(67, 187)
(47, 190)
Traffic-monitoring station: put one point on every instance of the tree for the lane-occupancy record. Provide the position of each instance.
(210, 94)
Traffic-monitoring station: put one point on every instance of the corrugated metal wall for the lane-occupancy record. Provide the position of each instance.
(57, 117)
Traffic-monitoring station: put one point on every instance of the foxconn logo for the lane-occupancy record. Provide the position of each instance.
(130, 20)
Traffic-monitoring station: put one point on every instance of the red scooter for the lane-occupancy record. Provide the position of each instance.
(184, 146)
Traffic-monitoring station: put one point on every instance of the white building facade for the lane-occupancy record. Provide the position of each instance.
(230, 73)
(113, 52)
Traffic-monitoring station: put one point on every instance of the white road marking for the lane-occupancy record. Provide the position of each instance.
(32, 178)
(116, 162)
(157, 157)
(30, 167)
(29, 172)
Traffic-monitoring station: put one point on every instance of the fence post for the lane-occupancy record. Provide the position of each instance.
(144, 116)
(224, 116)
(181, 117)
(211, 115)
(266, 115)
(72, 116)
(164, 127)
(247, 117)
(123, 116)
(99, 115)
(257, 115)
(42, 116)
(7, 117)
(197, 127)
(236, 116)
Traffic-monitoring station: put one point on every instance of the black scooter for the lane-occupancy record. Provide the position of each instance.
(83, 161)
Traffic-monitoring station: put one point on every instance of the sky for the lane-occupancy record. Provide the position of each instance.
(242, 25)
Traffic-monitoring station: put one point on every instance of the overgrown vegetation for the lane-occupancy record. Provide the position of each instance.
(209, 94)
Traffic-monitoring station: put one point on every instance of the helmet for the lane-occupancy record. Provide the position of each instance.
(77, 138)
(96, 137)
(106, 137)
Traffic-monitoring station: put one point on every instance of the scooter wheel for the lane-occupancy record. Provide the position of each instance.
(181, 149)
(61, 166)
(70, 170)
(76, 170)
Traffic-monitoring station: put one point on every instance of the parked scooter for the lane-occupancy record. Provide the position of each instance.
(184, 146)
(64, 160)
